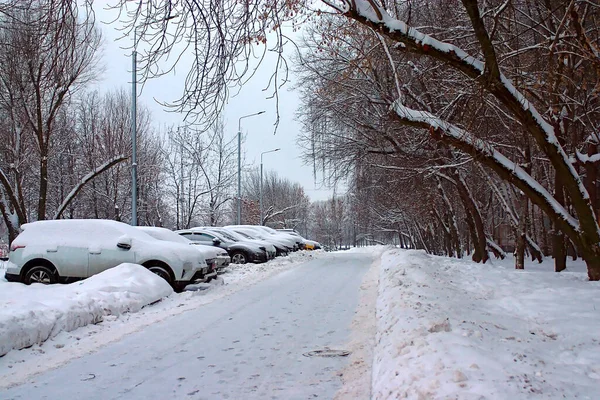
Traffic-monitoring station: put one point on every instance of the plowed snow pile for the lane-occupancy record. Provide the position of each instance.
(33, 314)
(453, 329)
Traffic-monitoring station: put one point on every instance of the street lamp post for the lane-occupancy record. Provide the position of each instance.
(239, 194)
(261, 182)
(134, 132)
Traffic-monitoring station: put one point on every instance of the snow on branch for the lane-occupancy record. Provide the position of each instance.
(269, 216)
(485, 153)
(107, 165)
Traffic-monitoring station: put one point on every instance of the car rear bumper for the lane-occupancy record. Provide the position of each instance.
(259, 257)
(12, 277)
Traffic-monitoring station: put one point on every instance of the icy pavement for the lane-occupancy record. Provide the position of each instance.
(247, 345)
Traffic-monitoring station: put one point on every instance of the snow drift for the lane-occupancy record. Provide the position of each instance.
(451, 328)
(33, 314)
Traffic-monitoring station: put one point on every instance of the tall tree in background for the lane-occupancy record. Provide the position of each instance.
(285, 204)
(201, 173)
(48, 53)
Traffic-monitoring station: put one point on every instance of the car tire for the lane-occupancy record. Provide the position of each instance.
(239, 257)
(162, 272)
(40, 274)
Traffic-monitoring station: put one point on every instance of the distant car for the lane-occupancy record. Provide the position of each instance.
(240, 252)
(68, 250)
(265, 233)
(308, 244)
(233, 235)
(282, 247)
(216, 258)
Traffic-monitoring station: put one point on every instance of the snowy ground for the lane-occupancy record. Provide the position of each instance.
(452, 329)
(109, 311)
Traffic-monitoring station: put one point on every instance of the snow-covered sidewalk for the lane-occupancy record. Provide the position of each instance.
(454, 329)
(76, 321)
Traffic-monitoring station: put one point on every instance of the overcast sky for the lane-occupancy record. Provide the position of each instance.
(252, 98)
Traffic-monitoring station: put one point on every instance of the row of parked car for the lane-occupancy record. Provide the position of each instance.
(68, 250)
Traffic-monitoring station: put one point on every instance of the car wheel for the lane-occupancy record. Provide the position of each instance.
(162, 272)
(40, 274)
(238, 257)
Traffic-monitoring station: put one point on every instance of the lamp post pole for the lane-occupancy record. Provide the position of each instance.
(261, 182)
(239, 194)
(134, 132)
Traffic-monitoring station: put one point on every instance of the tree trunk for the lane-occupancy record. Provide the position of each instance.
(558, 250)
(558, 240)
(455, 239)
(591, 256)
(475, 223)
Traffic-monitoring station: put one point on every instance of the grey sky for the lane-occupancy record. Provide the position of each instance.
(252, 98)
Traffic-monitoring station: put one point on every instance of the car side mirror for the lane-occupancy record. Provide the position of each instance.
(124, 242)
(216, 242)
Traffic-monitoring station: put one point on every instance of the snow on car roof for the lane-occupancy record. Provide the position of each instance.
(79, 232)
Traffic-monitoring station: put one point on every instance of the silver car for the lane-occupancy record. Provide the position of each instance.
(217, 258)
(68, 250)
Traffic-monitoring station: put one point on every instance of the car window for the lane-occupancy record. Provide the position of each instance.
(227, 235)
(187, 235)
(204, 237)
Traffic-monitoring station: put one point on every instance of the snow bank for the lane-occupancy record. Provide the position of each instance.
(32, 314)
(450, 328)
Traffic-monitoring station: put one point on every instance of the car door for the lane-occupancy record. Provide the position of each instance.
(105, 255)
(70, 261)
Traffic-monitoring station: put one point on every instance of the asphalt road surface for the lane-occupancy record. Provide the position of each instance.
(249, 345)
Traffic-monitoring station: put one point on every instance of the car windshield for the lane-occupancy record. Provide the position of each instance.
(244, 235)
(226, 235)
(165, 235)
(269, 230)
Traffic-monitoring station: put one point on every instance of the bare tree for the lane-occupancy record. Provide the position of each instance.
(48, 54)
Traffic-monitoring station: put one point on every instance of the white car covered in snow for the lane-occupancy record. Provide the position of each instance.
(68, 250)
(213, 255)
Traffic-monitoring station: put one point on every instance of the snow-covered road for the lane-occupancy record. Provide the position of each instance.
(245, 346)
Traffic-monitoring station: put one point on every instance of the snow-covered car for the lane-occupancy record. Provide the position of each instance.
(257, 231)
(240, 252)
(307, 243)
(233, 235)
(68, 250)
(281, 248)
(217, 258)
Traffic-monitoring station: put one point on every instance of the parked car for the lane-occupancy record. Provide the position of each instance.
(308, 244)
(68, 250)
(297, 240)
(282, 247)
(289, 241)
(240, 252)
(233, 235)
(216, 257)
